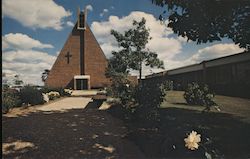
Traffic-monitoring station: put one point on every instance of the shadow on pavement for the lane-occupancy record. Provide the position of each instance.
(76, 133)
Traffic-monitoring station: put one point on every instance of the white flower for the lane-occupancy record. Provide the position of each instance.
(53, 93)
(45, 97)
(68, 91)
(192, 140)
(127, 85)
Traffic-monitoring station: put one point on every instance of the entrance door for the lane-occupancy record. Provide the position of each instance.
(81, 84)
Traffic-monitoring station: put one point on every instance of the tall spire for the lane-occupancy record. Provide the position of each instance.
(82, 19)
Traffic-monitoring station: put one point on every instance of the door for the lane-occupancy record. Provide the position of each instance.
(82, 84)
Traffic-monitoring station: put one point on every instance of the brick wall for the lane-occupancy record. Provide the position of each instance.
(62, 73)
(95, 61)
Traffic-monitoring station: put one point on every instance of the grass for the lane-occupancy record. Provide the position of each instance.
(227, 132)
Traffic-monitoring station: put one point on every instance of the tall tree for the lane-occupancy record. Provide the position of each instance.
(209, 20)
(45, 75)
(133, 54)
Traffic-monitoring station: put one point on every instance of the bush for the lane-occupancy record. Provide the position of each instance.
(122, 89)
(10, 99)
(61, 91)
(169, 85)
(198, 95)
(30, 95)
(53, 95)
(150, 95)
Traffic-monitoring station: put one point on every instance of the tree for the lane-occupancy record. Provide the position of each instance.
(45, 75)
(134, 52)
(209, 20)
(17, 80)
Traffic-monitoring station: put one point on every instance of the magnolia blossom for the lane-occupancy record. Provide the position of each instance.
(192, 140)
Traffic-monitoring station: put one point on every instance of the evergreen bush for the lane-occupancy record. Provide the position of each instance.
(10, 99)
(31, 95)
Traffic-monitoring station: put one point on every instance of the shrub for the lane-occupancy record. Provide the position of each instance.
(122, 89)
(53, 95)
(169, 85)
(61, 91)
(10, 99)
(139, 101)
(150, 95)
(198, 95)
(67, 92)
(30, 95)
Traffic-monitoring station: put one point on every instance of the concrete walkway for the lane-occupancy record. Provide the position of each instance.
(72, 127)
(66, 104)
(84, 92)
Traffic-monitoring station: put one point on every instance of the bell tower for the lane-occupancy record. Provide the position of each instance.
(81, 63)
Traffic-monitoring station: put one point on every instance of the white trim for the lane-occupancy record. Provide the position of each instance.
(82, 77)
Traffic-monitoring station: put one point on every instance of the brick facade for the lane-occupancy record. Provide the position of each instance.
(94, 61)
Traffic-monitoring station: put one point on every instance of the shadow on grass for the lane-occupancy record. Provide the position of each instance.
(228, 137)
(75, 133)
(180, 103)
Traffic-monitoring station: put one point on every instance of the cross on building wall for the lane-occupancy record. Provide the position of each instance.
(68, 56)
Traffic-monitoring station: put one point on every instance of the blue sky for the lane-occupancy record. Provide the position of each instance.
(35, 31)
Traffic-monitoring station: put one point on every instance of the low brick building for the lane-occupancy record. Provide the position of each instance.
(229, 75)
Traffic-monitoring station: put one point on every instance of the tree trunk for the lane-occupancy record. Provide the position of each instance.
(140, 72)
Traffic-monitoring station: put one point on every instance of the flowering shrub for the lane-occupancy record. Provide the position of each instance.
(45, 97)
(193, 142)
(68, 91)
(61, 91)
(198, 95)
(53, 95)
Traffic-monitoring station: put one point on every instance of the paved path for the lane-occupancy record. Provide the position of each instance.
(69, 128)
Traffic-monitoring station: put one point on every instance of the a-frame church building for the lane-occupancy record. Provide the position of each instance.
(81, 64)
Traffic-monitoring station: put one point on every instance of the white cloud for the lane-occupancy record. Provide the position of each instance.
(215, 51)
(70, 24)
(21, 41)
(21, 59)
(29, 64)
(89, 7)
(164, 46)
(36, 14)
(104, 11)
(162, 41)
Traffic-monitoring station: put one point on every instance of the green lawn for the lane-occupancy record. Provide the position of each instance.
(227, 132)
(238, 107)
